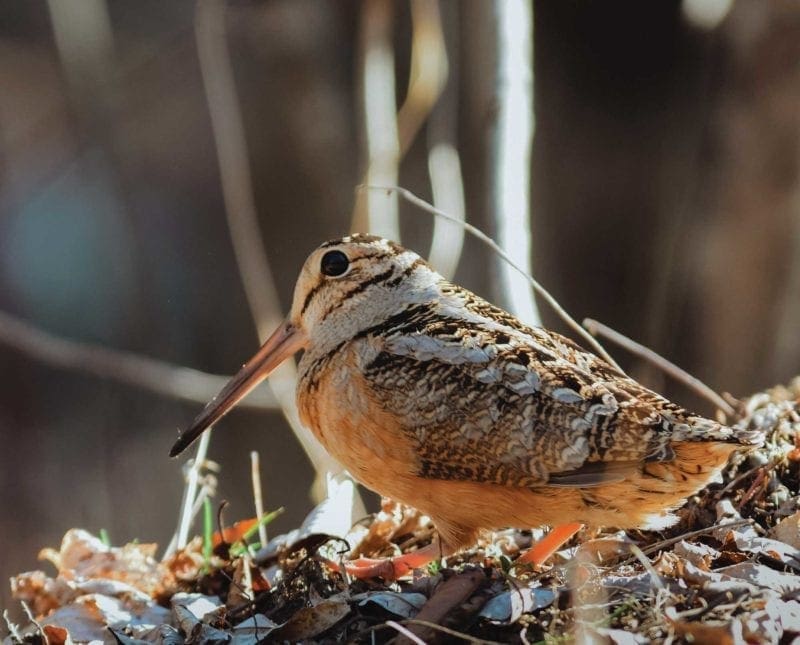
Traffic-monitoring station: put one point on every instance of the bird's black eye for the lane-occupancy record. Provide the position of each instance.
(334, 263)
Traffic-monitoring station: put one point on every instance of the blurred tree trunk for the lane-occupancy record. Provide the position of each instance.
(619, 102)
(749, 246)
(666, 171)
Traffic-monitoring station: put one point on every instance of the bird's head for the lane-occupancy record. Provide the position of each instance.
(345, 286)
(351, 284)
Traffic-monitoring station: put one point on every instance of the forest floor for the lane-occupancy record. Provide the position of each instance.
(728, 572)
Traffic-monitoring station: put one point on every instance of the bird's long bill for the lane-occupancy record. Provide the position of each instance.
(285, 341)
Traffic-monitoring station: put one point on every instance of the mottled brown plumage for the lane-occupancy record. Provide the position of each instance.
(431, 395)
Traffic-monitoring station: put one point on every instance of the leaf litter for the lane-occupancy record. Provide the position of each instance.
(728, 572)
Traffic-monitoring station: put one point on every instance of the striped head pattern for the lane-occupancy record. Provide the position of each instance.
(353, 283)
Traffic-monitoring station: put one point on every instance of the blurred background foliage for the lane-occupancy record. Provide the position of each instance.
(664, 202)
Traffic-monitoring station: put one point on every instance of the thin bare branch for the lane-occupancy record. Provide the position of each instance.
(682, 376)
(234, 166)
(158, 377)
(733, 483)
(473, 230)
(240, 210)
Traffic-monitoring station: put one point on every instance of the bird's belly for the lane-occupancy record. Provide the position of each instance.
(347, 417)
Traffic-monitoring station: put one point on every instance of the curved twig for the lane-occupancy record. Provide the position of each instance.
(240, 210)
(421, 203)
(158, 377)
(599, 329)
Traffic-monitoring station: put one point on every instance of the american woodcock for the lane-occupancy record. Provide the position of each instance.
(432, 396)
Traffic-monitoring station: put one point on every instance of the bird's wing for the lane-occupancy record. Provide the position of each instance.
(493, 400)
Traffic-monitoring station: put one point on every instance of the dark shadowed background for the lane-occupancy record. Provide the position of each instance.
(665, 203)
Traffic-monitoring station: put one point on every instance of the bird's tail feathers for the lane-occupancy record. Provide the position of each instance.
(695, 428)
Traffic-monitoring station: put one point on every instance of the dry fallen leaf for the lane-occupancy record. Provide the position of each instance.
(788, 530)
(83, 556)
(700, 555)
(705, 634)
(88, 617)
(57, 635)
(310, 621)
(96, 586)
(393, 520)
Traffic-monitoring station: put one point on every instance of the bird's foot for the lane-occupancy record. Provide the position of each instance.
(399, 566)
(386, 568)
(549, 544)
(389, 568)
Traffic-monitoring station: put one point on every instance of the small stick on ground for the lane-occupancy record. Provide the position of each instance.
(674, 540)
(33, 620)
(405, 632)
(448, 595)
(192, 500)
(759, 482)
(12, 628)
(747, 473)
(448, 631)
(190, 493)
(255, 473)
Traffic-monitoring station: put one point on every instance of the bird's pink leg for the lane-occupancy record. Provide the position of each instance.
(549, 544)
(390, 568)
